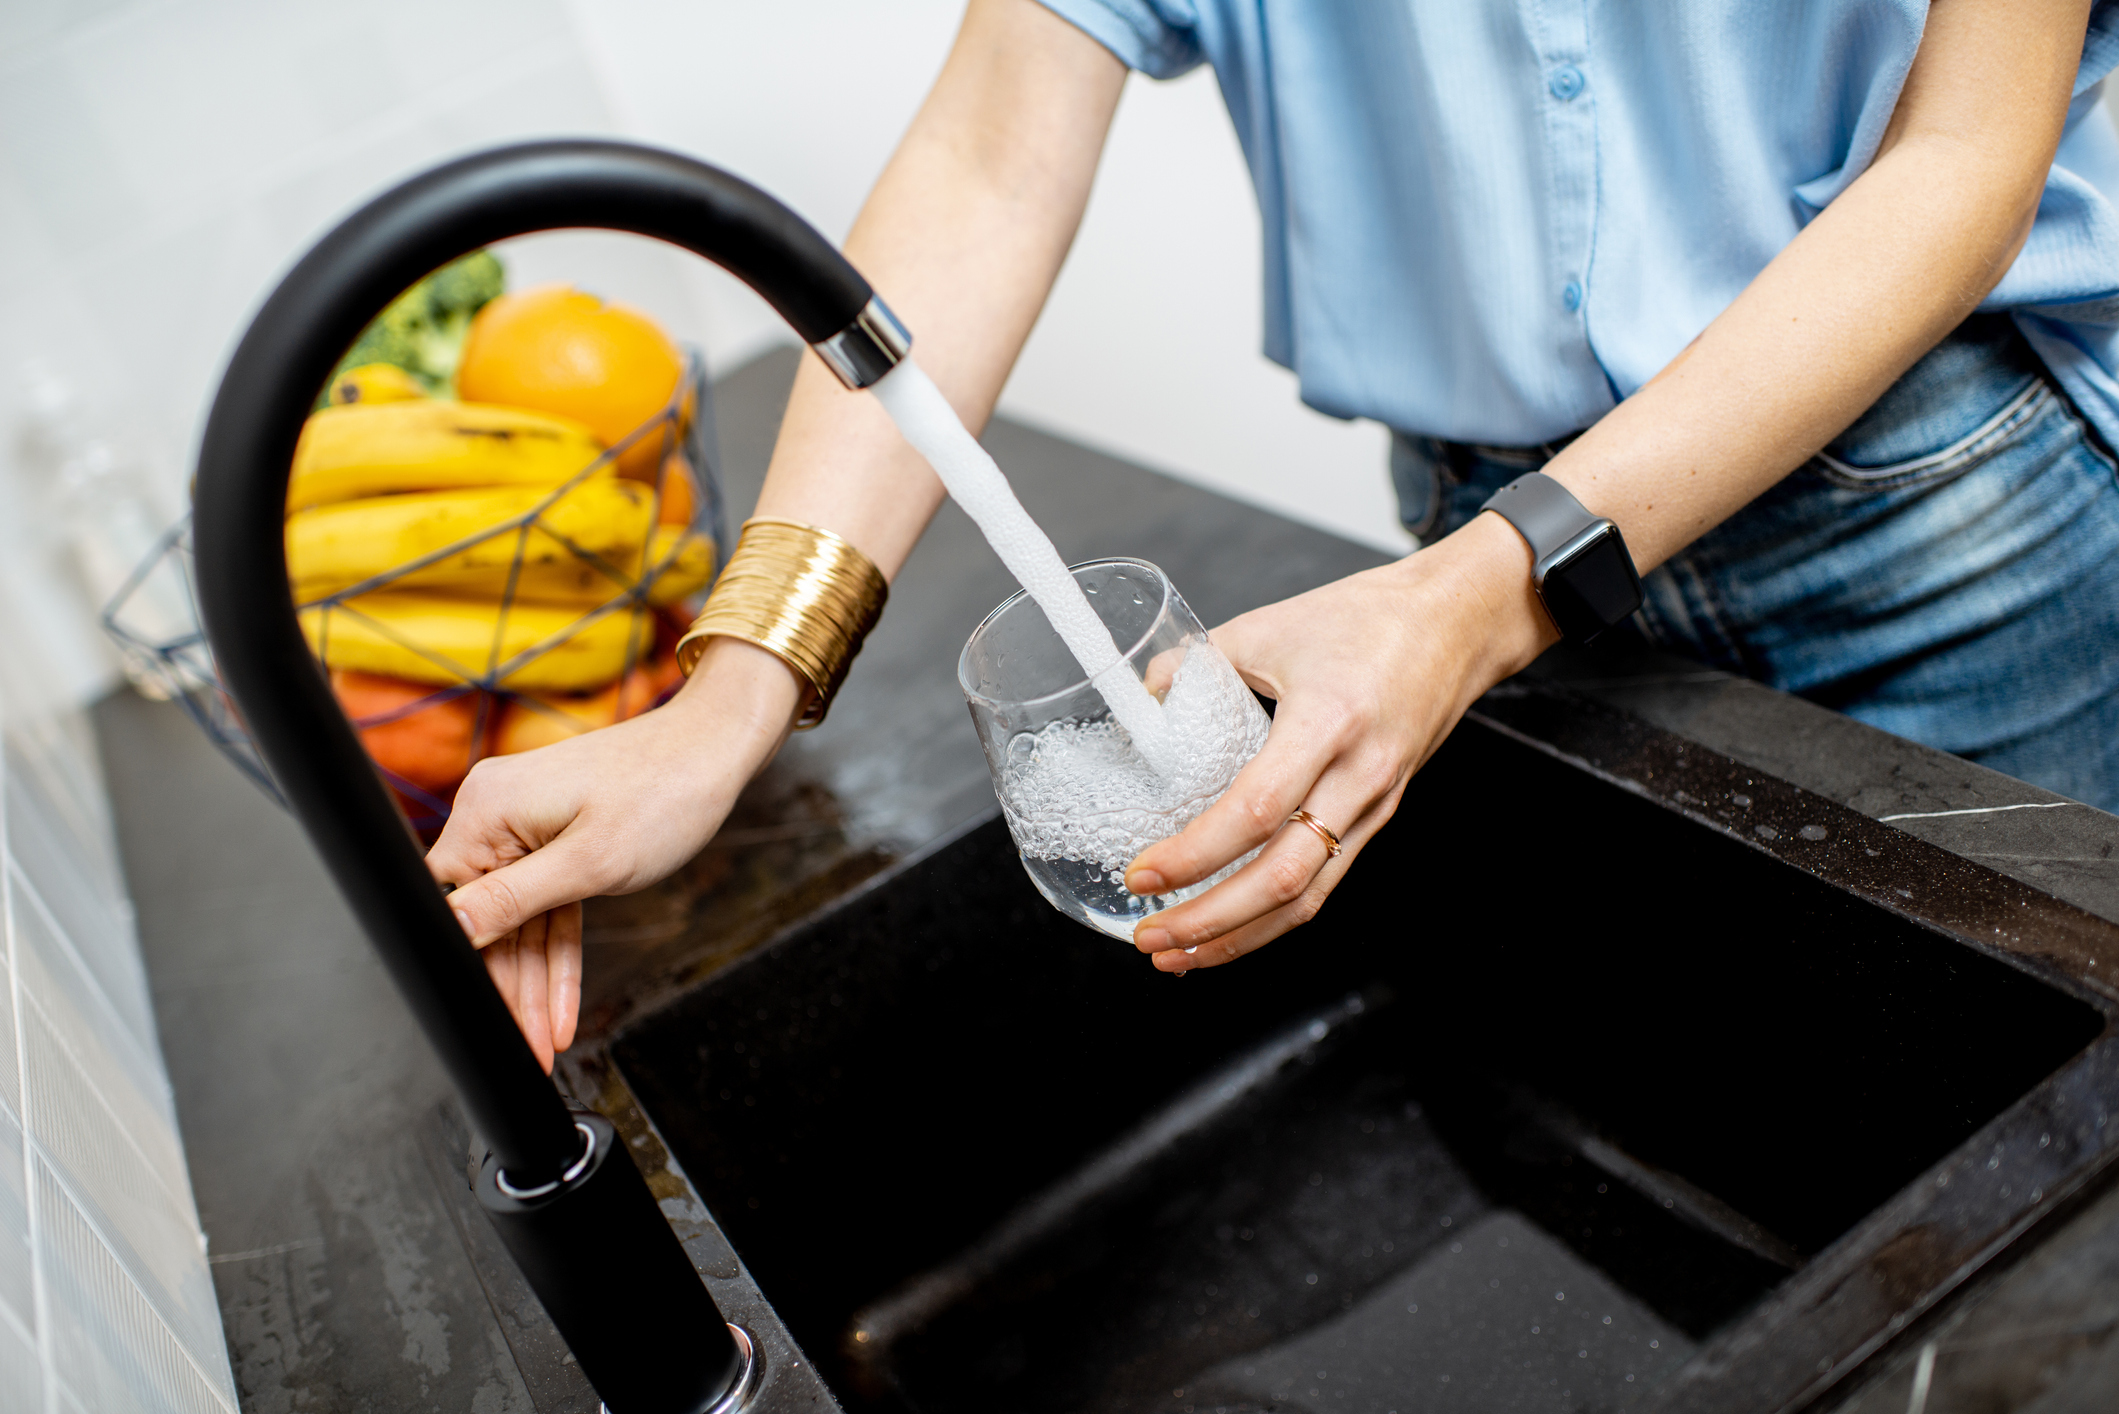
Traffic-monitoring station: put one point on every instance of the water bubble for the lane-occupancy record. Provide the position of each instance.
(1813, 832)
(1765, 832)
(1083, 791)
(1741, 802)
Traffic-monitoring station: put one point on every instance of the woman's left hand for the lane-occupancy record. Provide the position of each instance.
(1368, 675)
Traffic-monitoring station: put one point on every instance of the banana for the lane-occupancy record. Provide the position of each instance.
(333, 547)
(377, 449)
(689, 557)
(457, 641)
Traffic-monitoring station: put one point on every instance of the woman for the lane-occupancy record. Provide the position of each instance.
(1798, 297)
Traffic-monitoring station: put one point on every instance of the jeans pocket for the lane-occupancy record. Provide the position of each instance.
(1416, 475)
(2015, 416)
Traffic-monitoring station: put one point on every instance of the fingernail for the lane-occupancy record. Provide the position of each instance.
(463, 921)
(1146, 881)
(1153, 939)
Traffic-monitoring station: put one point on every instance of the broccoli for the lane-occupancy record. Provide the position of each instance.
(422, 330)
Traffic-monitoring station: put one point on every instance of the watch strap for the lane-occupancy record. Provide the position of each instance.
(1582, 571)
(1545, 513)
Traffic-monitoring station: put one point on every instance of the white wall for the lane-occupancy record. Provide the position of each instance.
(106, 1301)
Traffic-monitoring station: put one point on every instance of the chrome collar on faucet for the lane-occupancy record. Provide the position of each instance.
(868, 348)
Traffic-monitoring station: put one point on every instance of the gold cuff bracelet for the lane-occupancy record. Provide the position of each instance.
(800, 593)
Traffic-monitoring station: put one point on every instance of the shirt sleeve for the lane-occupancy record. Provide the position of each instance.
(1157, 37)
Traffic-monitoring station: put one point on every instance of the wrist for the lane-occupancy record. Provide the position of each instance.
(1502, 623)
(740, 694)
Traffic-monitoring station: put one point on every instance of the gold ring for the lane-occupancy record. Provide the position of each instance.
(1324, 831)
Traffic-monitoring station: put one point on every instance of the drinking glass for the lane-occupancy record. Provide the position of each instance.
(1080, 800)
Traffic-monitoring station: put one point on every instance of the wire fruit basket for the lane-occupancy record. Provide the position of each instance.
(486, 678)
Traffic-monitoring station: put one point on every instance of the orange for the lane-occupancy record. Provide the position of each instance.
(678, 499)
(555, 716)
(553, 348)
(410, 729)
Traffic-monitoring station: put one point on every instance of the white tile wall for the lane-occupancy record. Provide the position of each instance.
(106, 1302)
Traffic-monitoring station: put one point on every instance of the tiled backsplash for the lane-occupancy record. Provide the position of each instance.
(106, 1302)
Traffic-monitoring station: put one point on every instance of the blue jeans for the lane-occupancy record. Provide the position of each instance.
(1948, 570)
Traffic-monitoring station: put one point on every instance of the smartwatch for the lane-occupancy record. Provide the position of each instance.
(1584, 575)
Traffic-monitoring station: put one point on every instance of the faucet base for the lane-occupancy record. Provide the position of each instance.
(739, 1394)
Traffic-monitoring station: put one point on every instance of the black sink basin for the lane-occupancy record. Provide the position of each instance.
(1580, 1093)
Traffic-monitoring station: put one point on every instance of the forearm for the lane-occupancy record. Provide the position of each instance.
(1888, 269)
(963, 237)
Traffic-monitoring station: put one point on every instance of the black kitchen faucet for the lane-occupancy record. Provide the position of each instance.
(563, 1193)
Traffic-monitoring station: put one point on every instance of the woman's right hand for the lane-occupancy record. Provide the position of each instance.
(608, 812)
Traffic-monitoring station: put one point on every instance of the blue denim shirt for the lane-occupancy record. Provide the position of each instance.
(1488, 221)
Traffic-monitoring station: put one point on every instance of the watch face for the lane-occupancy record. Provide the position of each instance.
(1593, 588)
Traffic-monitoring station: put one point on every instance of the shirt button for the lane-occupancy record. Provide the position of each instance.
(1571, 296)
(1566, 82)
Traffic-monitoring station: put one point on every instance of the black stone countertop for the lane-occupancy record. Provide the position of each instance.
(355, 1273)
